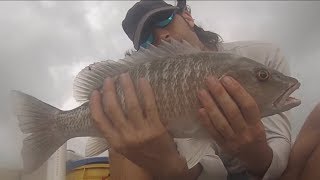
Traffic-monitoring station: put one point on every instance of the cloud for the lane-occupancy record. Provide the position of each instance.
(44, 44)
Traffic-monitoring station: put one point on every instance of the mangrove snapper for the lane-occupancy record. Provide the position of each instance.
(175, 70)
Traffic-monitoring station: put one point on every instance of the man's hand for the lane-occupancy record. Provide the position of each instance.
(232, 118)
(139, 134)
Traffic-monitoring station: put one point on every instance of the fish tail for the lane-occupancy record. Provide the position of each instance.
(37, 119)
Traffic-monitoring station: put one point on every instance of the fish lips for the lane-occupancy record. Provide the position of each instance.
(284, 102)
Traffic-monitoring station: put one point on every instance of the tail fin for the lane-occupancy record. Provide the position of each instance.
(37, 119)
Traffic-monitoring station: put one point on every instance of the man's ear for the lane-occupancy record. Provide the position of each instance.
(187, 16)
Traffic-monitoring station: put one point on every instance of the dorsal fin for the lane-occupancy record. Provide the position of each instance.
(92, 76)
(165, 49)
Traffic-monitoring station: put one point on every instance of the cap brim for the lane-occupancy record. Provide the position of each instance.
(145, 20)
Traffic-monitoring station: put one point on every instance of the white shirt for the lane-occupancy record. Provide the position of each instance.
(217, 165)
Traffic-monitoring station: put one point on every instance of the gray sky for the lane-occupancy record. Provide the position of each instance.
(45, 44)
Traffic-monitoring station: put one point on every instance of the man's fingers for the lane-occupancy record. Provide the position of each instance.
(245, 101)
(134, 112)
(97, 113)
(205, 121)
(149, 101)
(216, 116)
(227, 104)
(112, 107)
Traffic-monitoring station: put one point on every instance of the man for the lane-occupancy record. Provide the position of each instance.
(247, 146)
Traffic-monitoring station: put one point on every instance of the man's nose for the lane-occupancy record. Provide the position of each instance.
(165, 35)
(162, 34)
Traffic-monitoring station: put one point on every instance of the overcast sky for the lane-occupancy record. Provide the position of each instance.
(43, 45)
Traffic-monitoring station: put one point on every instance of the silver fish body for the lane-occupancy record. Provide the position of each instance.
(175, 71)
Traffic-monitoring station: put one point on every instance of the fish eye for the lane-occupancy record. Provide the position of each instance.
(263, 75)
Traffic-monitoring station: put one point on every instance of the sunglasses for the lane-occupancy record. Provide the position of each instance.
(161, 24)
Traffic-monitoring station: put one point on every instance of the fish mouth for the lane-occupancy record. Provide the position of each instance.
(285, 102)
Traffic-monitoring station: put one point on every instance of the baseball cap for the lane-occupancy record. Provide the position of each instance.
(140, 19)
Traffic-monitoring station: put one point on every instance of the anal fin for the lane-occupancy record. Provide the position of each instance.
(96, 146)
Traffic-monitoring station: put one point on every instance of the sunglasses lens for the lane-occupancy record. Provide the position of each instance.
(149, 41)
(164, 23)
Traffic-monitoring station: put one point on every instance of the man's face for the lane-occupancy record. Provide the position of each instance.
(181, 27)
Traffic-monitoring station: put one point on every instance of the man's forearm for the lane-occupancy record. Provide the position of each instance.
(259, 161)
(190, 174)
(123, 169)
(305, 143)
(194, 172)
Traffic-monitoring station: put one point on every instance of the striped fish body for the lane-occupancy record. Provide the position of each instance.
(176, 71)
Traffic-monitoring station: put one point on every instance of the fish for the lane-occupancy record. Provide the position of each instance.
(176, 71)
